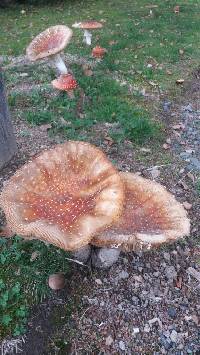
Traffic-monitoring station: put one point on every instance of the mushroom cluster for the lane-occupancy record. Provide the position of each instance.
(72, 196)
(50, 44)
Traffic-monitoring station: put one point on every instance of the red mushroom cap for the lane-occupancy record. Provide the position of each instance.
(151, 216)
(49, 42)
(98, 52)
(89, 25)
(65, 82)
(63, 196)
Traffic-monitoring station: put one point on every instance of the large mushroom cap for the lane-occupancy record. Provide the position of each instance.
(88, 25)
(50, 42)
(64, 196)
(151, 217)
(65, 82)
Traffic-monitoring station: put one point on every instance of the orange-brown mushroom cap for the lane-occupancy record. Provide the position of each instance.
(64, 196)
(98, 52)
(49, 42)
(151, 217)
(89, 25)
(65, 82)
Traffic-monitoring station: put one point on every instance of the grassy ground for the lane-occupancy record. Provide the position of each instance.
(149, 48)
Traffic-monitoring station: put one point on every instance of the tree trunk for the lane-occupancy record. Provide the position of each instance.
(7, 139)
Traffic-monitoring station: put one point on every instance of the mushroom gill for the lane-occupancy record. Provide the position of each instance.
(63, 196)
(151, 216)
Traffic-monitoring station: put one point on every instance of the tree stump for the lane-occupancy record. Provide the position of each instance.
(7, 139)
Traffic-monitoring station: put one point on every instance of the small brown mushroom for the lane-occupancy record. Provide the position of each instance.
(86, 26)
(98, 52)
(56, 281)
(151, 217)
(65, 82)
(63, 196)
(50, 43)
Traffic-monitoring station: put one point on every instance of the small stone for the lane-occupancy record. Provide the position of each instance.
(172, 312)
(146, 328)
(174, 336)
(188, 108)
(187, 205)
(170, 273)
(122, 345)
(165, 342)
(98, 282)
(166, 256)
(123, 275)
(56, 281)
(136, 330)
(109, 340)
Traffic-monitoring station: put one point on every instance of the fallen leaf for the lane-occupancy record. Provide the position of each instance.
(98, 282)
(155, 172)
(111, 43)
(168, 140)
(181, 51)
(34, 255)
(191, 177)
(184, 185)
(109, 140)
(187, 205)
(109, 340)
(45, 127)
(176, 9)
(169, 72)
(178, 126)
(88, 72)
(180, 81)
(145, 150)
(179, 282)
(193, 272)
(166, 146)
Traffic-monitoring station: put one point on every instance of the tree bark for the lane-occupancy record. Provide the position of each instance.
(7, 139)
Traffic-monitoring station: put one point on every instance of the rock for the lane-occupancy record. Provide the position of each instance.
(166, 256)
(56, 281)
(109, 340)
(170, 273)
(122, 345)
(136, 330)
(171, 312)
(188, 108)
(165, 342)
(123, 275)
(174, 336)
(98, 282)
(166, 106)
(104, 257)
(82, 254)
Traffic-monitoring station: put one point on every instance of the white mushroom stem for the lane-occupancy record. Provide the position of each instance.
(71, 94)
(87, 37)
(60, 64)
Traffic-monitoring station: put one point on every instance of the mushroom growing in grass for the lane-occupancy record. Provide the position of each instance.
(150, 218)
(88, 26)
(63, 196)
(51, 43)
(65, 82)
(98, 52)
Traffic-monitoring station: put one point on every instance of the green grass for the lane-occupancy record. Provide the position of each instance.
(134, 39)
(25, 267)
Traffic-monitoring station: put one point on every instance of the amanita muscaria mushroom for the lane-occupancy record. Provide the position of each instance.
(151, 217)
(65, 82)
(64, 196)
(50, 43)
(98, 52)
(88, 26)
